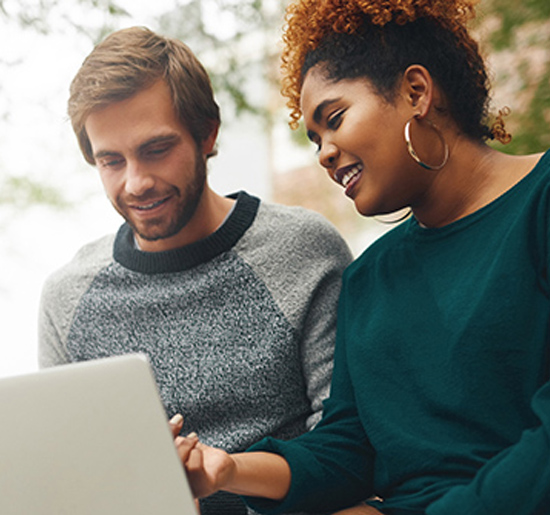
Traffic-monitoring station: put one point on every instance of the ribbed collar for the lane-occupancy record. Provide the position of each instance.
(183, 258)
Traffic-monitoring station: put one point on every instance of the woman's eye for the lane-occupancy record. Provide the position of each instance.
(334, 120)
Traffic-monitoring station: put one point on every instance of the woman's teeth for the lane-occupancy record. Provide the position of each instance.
(349, 175)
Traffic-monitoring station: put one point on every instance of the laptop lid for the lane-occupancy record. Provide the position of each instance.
(89, 438)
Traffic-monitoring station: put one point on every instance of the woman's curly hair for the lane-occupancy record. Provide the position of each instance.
(378, 40)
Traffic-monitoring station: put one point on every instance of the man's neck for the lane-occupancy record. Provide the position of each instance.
(212, 211)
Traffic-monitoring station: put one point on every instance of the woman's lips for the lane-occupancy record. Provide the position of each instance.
(348, 177)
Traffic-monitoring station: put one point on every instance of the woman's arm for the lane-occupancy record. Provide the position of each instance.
(257, 474)
(517, 480)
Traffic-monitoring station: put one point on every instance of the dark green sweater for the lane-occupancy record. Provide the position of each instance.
(440, 398)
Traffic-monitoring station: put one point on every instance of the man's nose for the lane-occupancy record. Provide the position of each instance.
(138, 179)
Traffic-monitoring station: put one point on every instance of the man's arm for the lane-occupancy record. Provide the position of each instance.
(324, 271)
(53, 323)
(60, 297)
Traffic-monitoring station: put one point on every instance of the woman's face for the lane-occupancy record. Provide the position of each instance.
(360, 142)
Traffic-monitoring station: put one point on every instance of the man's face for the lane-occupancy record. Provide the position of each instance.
(153, 171)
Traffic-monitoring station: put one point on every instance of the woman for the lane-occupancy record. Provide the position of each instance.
(440, 400)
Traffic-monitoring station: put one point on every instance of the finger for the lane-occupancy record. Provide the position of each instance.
(193, 467)
(194, 459)
(176, 423)
(184, 446)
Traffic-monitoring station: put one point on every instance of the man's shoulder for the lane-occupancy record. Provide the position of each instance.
(86, 263)
(296, 231)
(295, 220)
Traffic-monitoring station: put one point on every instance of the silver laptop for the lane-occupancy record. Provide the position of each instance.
(89, 439)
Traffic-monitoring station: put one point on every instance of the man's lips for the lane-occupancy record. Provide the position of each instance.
(149, 206)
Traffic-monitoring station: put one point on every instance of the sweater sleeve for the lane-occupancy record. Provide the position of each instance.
(517, 480)
(319, 323)
(301, 257)
(51, 350)
(59, 300)
(331, 466)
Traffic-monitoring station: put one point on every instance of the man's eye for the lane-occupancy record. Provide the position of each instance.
(111, 163)
(157, 151)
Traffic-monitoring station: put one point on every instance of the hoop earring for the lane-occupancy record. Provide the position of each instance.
(400, 215)
(412, 151)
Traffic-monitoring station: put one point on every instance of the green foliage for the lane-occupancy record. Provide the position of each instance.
(21, 192)
(513, 14)
(45, 18)
(48, 16)
(237, 42)
(518, 43)
(533, 134)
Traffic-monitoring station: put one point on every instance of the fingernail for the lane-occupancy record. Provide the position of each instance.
(176, 419)
(192, 435)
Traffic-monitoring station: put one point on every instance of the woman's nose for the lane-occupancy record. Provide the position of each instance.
(328, 155)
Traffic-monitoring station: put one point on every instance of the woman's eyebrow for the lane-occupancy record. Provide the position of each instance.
(318, 113)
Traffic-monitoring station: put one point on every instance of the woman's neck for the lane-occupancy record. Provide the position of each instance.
(474, 176)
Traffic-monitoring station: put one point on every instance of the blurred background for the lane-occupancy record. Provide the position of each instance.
(52, 202)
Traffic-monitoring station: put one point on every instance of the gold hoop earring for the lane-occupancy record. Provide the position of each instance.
(412, 151)
(395, 217)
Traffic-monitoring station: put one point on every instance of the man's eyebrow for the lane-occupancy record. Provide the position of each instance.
(166, 138)
(142, 147)
(105, 153)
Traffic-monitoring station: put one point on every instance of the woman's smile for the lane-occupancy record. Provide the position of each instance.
(348, 177)
(356, 130)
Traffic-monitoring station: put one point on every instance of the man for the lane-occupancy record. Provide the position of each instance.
(233, 300)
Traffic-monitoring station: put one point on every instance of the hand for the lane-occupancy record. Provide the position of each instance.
(175, 424)
(208, 469)
(256, 474)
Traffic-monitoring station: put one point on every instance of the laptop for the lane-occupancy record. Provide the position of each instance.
(89, 438)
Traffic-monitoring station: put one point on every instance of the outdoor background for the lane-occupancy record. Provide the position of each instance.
(51, 202)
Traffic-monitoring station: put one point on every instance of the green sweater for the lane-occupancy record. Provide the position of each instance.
(440, 400)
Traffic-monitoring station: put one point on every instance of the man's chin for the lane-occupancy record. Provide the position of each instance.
(152, 233)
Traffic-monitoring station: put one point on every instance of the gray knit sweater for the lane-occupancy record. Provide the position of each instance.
(239, 327)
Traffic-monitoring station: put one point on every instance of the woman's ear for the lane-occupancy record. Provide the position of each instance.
(418, 89)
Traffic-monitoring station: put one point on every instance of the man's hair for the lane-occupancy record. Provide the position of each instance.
(131, 60)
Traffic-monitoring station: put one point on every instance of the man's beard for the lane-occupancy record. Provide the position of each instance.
(188, 201)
